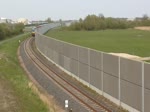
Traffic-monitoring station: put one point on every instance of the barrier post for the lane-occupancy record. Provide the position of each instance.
(102, 77)
(143, 87)
(119, 82)
(89, 74)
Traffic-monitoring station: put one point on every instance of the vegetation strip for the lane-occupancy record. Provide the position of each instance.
(11, 72)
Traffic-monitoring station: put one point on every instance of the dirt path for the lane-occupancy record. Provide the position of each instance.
(8, 102)
(147, 28)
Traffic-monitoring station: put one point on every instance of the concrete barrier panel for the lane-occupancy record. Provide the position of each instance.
(61, 60)
(95, 78)
(111, 64)
(110, 85)
(67, 62)
(147, 100)
(60, 48)
(56, 57)
(50, 54)
(147, 75)
(131, 71)
(52, 42)
(131, 94)
(74, 52)
(55, 45)
(49, 45)
(83, 55)
(74, 67)
(66, 50)
(95, 59)
(83, 71)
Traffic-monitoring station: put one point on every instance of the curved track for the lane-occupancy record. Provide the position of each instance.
(72, 90)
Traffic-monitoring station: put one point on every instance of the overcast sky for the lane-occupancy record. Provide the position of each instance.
(72, 9)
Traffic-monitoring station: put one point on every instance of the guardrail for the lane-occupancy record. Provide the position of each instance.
(124, 81)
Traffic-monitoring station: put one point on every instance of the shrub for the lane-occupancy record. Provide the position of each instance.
(8, 30)
(93, 22)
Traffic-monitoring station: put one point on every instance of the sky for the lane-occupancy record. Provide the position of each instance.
(72, 9)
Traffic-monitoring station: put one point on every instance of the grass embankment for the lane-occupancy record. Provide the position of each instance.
(135, 42)
(11, 72)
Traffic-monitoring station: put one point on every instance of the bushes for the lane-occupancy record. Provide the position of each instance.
(93, 22)
(8, 30)
(2, 33)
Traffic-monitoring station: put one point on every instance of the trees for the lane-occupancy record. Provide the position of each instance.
(2, 33)
(145, 17)
(143, 21)
(8, 30)
(48, 20)
(93, 22)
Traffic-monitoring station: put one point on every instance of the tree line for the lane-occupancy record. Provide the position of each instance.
(9, 30)
(93, 22)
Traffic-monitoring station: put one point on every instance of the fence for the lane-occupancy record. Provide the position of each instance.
(124, 81)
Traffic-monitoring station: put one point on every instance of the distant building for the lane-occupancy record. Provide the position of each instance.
(69, 22)
(4, 20)
(23, 20)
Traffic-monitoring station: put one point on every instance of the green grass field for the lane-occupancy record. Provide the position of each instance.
(11, 72)
(135, 42)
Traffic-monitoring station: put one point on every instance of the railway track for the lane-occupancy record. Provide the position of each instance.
(77, 94)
